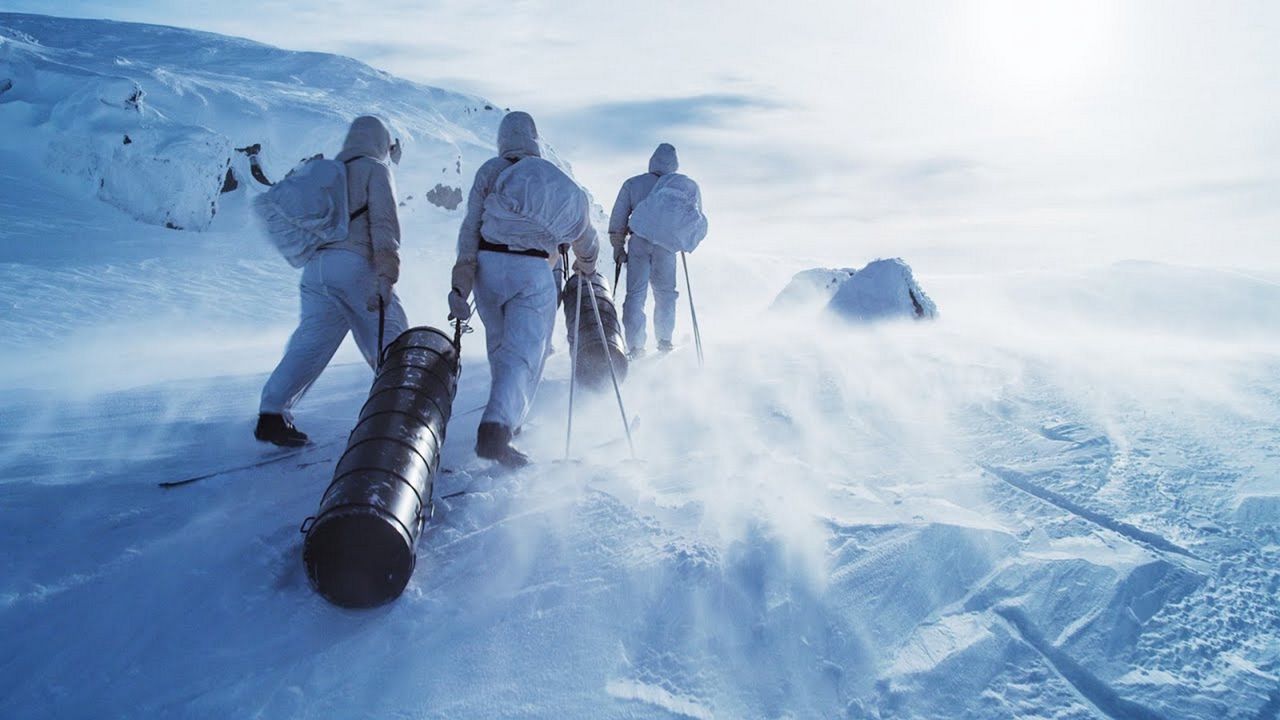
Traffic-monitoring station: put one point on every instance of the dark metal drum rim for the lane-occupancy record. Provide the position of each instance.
(444, 416)
(439, 438)
(423, 329)
(420, 328)
(425, 463)
(440, 374)
(394, 355)
(348, 509)
(392, 350)
(427, 329)
(392, 473)
(450, 381)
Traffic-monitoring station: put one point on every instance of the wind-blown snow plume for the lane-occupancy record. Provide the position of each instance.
(1058, 499)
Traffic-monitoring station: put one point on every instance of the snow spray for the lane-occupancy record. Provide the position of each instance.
(360, 546)
(593, 356)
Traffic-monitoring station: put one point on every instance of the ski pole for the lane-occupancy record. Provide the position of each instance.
(573, 365)
(697, 334)
(613, 375)
(617, 273)
(382, 326)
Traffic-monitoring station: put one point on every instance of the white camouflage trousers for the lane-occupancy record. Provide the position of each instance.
(335, 288)
(516, 300)
(649, 264)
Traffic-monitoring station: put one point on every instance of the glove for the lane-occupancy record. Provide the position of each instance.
(619, 242)
(584, 268)
(395, 152)
(463, 278)
(381, 293)
(459, 308)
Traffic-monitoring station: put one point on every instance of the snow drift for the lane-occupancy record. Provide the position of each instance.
(883, 289)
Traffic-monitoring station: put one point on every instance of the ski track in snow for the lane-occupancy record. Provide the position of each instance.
(1043, 505)
(658, 697)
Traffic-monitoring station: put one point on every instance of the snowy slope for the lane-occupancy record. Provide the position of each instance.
(1059, 500)
(107, 105)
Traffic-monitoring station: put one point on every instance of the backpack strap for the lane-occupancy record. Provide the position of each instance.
(364, 209)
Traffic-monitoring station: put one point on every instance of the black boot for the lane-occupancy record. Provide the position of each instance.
(493, 442)
(665, 346)
(275, 429)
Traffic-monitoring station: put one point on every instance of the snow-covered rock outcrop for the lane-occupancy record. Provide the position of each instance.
(158, 123)
(99, 128)
(883, 289)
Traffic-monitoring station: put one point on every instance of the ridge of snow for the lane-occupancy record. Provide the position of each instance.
(186, 99)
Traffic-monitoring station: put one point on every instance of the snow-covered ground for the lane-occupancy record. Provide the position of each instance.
(1060, 499)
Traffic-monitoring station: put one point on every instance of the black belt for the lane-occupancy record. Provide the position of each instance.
(495, 247)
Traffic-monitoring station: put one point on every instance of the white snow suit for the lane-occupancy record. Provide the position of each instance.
(647, 264)
(339, 280)
(515, 290)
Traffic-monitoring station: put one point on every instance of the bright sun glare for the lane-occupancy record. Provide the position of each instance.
(1030, 44)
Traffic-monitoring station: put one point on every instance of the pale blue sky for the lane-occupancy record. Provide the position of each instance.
(1055, 132)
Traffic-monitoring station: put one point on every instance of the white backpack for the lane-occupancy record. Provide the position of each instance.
(307, 209)
(671, 215)
(534, 205)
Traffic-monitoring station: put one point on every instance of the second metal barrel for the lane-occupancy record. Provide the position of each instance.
(594, 354)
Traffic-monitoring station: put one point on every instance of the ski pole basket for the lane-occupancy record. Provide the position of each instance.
(360, 548)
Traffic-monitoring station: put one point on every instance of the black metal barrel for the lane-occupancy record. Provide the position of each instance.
(593, 356)
(360, 546)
